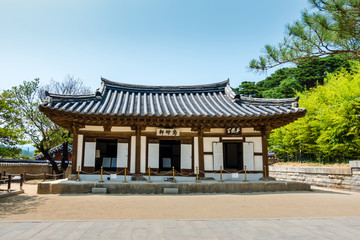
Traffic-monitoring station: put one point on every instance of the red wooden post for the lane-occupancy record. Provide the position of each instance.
(21, 180)
(9, 183)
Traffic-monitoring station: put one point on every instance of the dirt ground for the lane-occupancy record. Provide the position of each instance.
(317, 203)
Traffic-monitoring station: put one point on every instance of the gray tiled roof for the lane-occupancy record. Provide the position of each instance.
(211, 100)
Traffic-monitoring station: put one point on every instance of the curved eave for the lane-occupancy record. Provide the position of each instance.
(66, 119)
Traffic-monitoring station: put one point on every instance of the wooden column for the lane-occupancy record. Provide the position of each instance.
(265, 132)
(74, 150)
(201, 153)
(138, 150)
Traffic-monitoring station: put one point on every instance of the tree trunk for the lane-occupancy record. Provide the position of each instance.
(52, 161)
(65, 156)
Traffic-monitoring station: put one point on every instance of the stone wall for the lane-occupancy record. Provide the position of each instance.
(331, 177)
(33, 171)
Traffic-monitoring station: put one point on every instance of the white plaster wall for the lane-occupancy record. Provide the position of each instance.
(217, 130)
(92, 128)
(153, 157)
(89, 156)
(184, 130)
(143, 154)
(186, 156)
(79, 151)
(122, 155)
(208, 163)
(208, 143)
(218, 155)
(257, 143)
(249, 130)
(121, 129)
(132, 154)
(150, 129)
(258, 163)
(232, 138)
(196, 153)
(249, 155)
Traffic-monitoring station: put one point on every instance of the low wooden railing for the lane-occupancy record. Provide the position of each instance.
(9, 179)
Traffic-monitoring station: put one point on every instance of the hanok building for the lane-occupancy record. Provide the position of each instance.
(186, 127)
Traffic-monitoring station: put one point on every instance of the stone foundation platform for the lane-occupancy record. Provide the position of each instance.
(73, 187)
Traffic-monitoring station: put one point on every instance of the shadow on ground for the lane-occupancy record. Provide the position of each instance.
(18, 204)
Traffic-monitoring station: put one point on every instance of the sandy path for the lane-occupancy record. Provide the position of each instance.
(319, 203)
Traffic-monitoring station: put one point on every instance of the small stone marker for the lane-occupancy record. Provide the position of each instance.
(98, 190)
(171, 191)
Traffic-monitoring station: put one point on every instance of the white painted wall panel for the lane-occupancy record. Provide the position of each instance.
(249, 130)
(232, 138)
(218, 155)
(208, 163)
(208, 146)
(143, 154)
(185, 130)
(79, 151)
(153, 157)
(121, 129)
(93, 128)
(132, 154)
(122, 155)
(196, 153)
(257, 143)
(89, 155)
(150, 129)
(258, 163)
(249, 155)
(217, 130)
(186, 156)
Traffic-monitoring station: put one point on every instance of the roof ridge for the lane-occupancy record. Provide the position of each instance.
(269, 100)
(136, 87)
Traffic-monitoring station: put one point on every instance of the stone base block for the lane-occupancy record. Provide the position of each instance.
(66, 187)
(99, 190)
(171, 191)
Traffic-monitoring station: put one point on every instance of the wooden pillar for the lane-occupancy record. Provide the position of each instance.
(138, 150)
(201, 153)
(74, 150)
(265, 132)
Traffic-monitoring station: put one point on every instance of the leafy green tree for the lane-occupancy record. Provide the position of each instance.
(311, 73)
(10, 130)
(331, 29)
(331, 129)
(42, 132)
(285, 82)
(247, 89)
(275, 79)
(287, 89)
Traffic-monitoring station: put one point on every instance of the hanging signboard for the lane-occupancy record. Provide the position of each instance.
(167, 132)
(233, 130)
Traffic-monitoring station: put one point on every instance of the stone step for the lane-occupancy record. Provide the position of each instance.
(99, 190)
(171, 191)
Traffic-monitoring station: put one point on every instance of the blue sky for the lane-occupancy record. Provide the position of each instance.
(153, 42)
